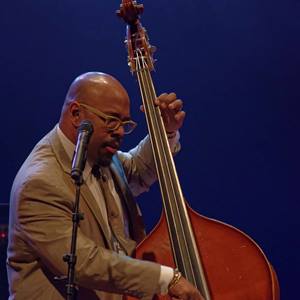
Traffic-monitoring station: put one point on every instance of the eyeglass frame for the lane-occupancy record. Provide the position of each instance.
(106, 118)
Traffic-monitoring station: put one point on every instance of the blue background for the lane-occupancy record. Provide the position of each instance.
(234, 63)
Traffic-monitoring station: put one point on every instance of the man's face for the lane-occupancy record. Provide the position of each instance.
(104, 143)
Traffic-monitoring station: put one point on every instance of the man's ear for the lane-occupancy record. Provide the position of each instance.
(75, 114)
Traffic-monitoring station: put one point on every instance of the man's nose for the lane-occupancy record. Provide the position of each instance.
(119, 131)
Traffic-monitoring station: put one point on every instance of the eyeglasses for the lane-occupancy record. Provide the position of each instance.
(112, 123)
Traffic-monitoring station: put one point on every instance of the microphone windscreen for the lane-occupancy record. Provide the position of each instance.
(86, 125)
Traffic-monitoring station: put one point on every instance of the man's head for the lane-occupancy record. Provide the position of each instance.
(95, 96)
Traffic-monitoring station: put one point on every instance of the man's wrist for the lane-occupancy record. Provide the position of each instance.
(176, 277)
(173, 139)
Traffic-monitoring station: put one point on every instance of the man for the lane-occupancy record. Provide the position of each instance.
(43, 195)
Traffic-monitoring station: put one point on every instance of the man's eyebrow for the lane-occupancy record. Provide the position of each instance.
(114, 114)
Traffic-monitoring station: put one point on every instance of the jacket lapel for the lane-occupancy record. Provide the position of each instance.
(86, 194)
(136, 224)
(95, 209)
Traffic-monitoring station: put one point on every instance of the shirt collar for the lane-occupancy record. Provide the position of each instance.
(69, 147)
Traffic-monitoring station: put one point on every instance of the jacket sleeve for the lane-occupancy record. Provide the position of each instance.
(44, 222)
(139, 165)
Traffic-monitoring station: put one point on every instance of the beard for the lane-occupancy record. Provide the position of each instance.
(104, 160)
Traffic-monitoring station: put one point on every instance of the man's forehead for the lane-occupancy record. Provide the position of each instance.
(113, 103)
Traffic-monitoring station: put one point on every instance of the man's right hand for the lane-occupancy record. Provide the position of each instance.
(184, 290)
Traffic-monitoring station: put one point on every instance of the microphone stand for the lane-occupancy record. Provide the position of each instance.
(71, 257)
(85, 131)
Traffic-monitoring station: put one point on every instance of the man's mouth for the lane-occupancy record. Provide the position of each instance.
(112, 147)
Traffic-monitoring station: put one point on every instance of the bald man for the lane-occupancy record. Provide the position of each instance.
(43, 194)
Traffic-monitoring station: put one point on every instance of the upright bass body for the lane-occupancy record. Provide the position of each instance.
(218, 259)
(234, 265)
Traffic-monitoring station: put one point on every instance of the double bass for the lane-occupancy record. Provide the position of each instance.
(220, 260)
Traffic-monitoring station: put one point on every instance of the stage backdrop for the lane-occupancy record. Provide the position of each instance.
(234, 63)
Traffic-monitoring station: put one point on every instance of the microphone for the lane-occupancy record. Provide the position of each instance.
(85, 131)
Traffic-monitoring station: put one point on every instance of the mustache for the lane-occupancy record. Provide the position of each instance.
(115, 143)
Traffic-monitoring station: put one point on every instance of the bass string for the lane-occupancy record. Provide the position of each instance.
(183, 242)
(168, 180)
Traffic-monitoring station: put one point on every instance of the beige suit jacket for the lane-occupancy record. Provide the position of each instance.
(40, 229)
